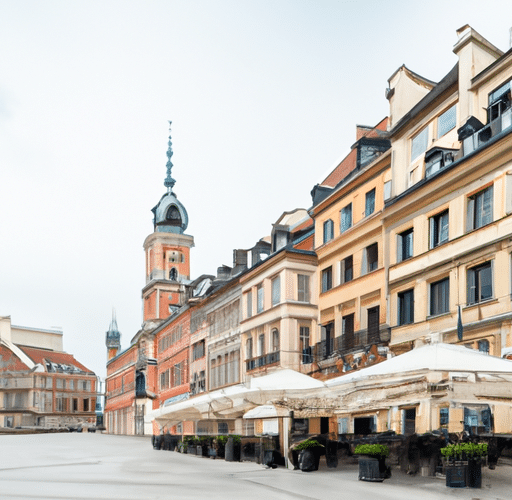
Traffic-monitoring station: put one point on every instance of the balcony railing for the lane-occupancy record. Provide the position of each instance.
(265, 360)
(344, 344)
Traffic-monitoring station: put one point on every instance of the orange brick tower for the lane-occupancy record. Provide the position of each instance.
(167, 253)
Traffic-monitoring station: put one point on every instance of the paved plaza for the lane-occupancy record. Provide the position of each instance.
(98, 466)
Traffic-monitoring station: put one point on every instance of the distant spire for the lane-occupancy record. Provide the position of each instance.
(169, 181)
(113, 324)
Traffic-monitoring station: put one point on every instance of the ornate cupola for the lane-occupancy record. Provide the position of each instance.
(170, 215)
(167, 252)
(113, 338)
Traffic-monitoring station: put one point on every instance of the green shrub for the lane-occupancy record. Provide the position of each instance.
(236, 438)
(222, 440)
(372, 450)
(308, 443)
(461, 451)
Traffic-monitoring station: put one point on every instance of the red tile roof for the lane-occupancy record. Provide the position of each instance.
(42, 355)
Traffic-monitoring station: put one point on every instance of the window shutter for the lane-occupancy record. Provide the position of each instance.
(470, 216)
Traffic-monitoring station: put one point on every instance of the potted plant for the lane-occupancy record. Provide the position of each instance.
(309, 454)
(372, 462)
(463, 464)
(220, 446)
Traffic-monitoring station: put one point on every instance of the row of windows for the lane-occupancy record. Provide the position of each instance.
(225, 369)
(479, 287)
(65, 404)
(303, 294)
(81, 385)
(369, 263)
(173, 377)
(346, 218)
(479, 213)
(169, 339)
(262, 344)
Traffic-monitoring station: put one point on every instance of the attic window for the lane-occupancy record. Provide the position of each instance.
(436, 159)
(499, 101)
(419, 143)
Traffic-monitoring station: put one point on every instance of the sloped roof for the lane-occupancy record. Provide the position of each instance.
(434, 357)
(41, 356)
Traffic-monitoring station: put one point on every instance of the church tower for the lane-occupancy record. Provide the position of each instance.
(113, 338)
(167, 253)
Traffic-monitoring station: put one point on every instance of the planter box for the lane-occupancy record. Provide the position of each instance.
(474, 474)
(309, 460)
(370, 469)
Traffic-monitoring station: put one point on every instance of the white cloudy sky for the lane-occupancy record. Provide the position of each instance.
(264, 96)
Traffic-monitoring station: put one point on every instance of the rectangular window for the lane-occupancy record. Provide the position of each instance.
(328, 230)
(304, 344)
(419, 143)
(371, 261)
(347, 324)
(405, 245)
(249, 304)
(178, 376)
(327, 279)
(406, 307)
(260, 297)
(71, 385)
(387, 190)
(59, 383)
(347, 269)
(346, 218)
(276, 290)
(248, 348)
(86, 404)
(479, 283)
(444, 416)
(440, 297)
(439, 229)
(369, 206)
(303, 287)
(261, 344)
(479, 209)
(446, 121)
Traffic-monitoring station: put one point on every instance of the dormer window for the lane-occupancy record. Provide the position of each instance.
(437, 159)
(499, 101)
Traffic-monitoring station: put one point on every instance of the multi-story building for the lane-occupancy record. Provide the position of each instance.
(448, 221)
(40, 385)
(348, 208)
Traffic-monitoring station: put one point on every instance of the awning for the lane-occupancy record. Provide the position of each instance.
(267, 411)
(235, 400)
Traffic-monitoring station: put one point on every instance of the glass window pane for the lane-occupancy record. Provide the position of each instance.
(446, 121)
(419, 143)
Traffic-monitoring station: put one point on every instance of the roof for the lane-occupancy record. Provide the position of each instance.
(434, 357)
(43, 356)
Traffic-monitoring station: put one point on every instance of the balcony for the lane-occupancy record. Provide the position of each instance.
(265, 360)
(345, 344)
(474, 135)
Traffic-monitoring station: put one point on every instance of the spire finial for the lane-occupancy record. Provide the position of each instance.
(169, 181)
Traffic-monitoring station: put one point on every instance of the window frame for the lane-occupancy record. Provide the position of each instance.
(345, 269)
(346, 218)
(451, 109)
(369, 203)
(328, 231)
(405, 307)
(303, 288)
(421, 147)
(403, 250)
(275, 286)
(326, 279)
(472, 212)
(473, 281)
(260, 296)
(436, 229)
(439, 306)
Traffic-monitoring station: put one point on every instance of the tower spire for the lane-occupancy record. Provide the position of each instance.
(169, 181)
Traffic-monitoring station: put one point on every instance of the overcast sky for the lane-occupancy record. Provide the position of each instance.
(264, 97)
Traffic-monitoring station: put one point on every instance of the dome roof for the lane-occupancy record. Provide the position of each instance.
(170, 215)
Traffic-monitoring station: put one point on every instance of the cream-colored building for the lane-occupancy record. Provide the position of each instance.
(447, 223)
(347, 210)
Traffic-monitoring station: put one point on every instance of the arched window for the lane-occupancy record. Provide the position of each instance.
(173, 216)
(140, 384)
(275, 340)
(173, 274)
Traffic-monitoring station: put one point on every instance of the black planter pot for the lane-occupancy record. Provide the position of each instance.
(456, 474)
(309, 460)
(370, 469)
(331, 454)
(474, 474)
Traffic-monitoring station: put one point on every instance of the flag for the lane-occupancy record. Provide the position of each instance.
(460, 329)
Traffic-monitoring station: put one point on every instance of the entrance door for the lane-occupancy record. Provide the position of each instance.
(139, 419)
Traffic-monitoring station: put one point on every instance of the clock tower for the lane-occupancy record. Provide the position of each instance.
(167, 252)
